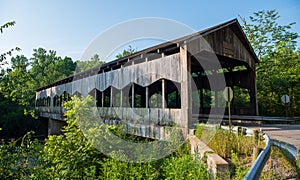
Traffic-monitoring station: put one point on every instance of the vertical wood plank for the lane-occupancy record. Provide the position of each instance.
(185, 88)
(147, 97)
(163, 93)
(132, 97)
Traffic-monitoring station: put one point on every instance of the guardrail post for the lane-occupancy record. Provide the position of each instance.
(244, 131)
(239, 131)
(255, 136)
(256, 151)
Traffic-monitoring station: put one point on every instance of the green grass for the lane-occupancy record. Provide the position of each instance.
(224, 142)
(236, 149)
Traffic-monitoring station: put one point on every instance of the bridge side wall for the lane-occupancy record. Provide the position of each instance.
(143, 74)
(173, 67)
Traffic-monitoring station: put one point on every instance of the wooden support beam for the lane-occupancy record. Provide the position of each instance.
(163, 94)
(255, 95)
(51, 102)
(186, 95)
(216, 99)
(147, 97)
(102, 99)
(253, 92)
(201, 99)
(132, 98)
(111, 97)
(121, 98)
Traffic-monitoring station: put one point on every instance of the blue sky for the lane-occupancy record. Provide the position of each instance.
(69, 26)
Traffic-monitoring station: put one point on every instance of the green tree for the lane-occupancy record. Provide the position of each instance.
(24, 76)
(85, 65)
(47, 67)
(3, 55)
(126, 52)
(19, 83)
(15, 85)
(13, 122)
(278, 69)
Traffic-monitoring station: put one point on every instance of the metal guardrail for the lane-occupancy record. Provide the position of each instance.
(261, 160)
(248, 118)
(292, 150)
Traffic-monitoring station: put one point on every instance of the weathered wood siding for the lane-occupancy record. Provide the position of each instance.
(146, 116)
(142, 74)
(223, 42)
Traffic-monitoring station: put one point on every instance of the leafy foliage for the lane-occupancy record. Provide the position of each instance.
(237, 149)
(18, 85)
(278, 69)
(47, 67)
(184, 167)
(126, 52)
(72, 156)
(25, 76)
(3, 56)
(224, 142)
(85, 65)
(21, 161)
(12, 117)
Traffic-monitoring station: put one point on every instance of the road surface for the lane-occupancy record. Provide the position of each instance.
(282, 132)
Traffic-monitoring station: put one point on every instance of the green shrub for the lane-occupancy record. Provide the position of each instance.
(72, 156)
(184, 167)
(21, 159)
(114, 169)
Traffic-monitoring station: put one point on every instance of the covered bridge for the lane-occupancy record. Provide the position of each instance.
(172, 83)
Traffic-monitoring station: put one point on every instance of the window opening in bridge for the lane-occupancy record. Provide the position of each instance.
(152, 56)
(241, 100)
(66, 97)
(98, 98)
(171, 50)
(155, 94)
(106, 101)
(61, 100)
(172, 90)
(97, 95)
(41, 102)
(196, 101)
(116, 97)
(127, 96)
(56, 101)
(207, 98)
(139, 96)
(138, 60)
(48, 101)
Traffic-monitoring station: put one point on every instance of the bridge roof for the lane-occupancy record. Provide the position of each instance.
(232, 24)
